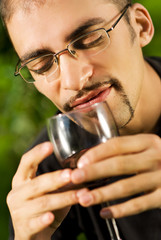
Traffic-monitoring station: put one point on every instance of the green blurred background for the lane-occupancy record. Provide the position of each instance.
(24, 110)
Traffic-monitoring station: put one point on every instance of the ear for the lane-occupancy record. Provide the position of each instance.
(143, 24)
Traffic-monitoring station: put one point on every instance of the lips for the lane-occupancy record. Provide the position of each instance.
(92, 97)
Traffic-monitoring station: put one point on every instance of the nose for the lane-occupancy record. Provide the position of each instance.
(74, 72)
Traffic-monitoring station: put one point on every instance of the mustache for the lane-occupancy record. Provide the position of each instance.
(83, 92)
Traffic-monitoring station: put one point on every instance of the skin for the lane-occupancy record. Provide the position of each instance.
(36, 214)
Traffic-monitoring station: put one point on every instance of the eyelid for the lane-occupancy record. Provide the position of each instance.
(41, 70)
(35, 54)
(84, 27)
(43, 55)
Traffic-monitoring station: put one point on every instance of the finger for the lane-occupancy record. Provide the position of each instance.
(40, 185)
(49, 202)
(134, 206)
(116, 166)
(123, 188)
(49, 182)
(30, 160)
(38, 224)
(117, 146)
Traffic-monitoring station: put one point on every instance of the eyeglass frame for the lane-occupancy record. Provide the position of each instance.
(55, 55)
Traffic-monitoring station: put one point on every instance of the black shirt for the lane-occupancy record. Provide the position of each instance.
(87, 222)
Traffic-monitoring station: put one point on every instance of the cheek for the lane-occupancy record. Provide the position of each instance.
(48, 89)
(53, 92)
(124, 61)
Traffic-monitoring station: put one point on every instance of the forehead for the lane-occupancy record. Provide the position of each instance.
(52, 20)
(28, 6)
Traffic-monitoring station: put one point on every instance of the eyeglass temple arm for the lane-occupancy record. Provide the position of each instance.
(123, 12)
(16, 73)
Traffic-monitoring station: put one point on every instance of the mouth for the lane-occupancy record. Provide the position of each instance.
(92, 97)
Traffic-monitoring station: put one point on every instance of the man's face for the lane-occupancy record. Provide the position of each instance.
(114, 75)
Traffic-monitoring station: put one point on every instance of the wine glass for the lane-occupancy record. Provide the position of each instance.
(75, 132)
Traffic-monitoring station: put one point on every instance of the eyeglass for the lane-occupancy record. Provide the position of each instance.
(46, 65)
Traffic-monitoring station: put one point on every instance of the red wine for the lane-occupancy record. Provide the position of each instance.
(71, 162)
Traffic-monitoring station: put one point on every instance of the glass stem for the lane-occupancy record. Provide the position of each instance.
(112, 226)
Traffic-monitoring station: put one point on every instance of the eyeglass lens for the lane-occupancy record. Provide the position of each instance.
(87, 45)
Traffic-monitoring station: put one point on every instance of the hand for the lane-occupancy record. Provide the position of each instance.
(139, 155)
(35, 209)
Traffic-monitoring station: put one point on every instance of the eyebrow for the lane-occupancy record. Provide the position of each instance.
(84, 26)
(34, 54)
(78, 31)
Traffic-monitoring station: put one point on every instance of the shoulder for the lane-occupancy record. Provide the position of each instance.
(155, 62)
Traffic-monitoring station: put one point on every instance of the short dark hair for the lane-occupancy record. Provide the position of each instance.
(121, 3)
(8, 7)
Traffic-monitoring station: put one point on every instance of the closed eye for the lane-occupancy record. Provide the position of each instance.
(41, 65)
(92, 40)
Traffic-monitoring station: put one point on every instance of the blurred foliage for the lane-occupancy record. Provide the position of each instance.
(23, 113)
(24, 110)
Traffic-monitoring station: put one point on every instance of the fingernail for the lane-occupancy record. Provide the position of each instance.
(46, 146)
(81, 192)
(65, 175)
(78, 176)
(82, 162)
(85, 199)
(106, 213)
(47, 218)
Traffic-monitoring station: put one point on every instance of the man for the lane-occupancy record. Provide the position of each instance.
(82, 52)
